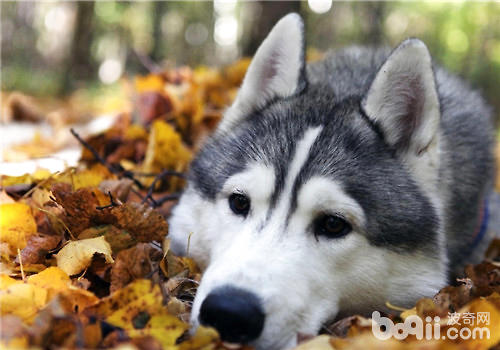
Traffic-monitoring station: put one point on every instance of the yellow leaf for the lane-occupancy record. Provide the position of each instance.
(74, 257)
(23, 300)
(138, 309)
(202, 339)
(148, 316)
(482, 305)
(122, 297)
(321, 342)
(6, 281)
(149, 83)
(136, 131)
(38, 175)
(165, 328)
(81, 298)
(165, 149)
(16, 224)
(53, 279)
(45, 286)
(91, 177)
(56, 281)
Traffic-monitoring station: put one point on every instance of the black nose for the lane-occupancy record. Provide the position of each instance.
(236, 314)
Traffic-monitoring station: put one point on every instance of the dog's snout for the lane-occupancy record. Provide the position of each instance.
(235, 313)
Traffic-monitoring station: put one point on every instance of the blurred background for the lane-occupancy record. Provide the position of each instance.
(54, 47)
(59, 50)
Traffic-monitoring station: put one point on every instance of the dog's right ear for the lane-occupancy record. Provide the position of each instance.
(277, 71)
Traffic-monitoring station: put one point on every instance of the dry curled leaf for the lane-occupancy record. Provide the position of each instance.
(142, 222)
(74, 257)
(132, 264)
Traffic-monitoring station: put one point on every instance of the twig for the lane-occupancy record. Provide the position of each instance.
(43, 182)
(110, 205)
(21, 264)
(101, 160)
(151, 188)
(167, 173)
(57, 219)
(169, 197)
(156, 245)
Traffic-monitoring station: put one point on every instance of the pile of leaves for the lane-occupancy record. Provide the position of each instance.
(84, 254)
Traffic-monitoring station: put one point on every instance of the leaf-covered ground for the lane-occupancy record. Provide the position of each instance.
(84, 259)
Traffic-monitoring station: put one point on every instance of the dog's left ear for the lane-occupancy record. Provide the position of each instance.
(403, 100)
(277, 70)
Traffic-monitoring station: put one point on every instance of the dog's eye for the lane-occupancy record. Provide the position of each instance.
(239, 204)
(331, 226)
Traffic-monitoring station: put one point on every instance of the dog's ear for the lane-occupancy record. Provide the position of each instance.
(277, 70)
(403, 100)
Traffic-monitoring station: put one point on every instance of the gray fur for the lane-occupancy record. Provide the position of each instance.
(352, 150)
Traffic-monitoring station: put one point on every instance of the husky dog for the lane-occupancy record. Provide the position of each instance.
(332, 188)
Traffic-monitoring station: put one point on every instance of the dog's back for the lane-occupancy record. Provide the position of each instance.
(466, 157)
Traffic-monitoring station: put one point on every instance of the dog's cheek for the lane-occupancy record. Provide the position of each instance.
(189, 231)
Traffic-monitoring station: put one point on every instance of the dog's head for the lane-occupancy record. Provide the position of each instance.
(309, 200)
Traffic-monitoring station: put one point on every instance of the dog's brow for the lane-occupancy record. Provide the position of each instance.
(299, 158)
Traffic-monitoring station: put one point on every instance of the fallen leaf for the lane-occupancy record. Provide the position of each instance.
(22, 299)
(205, 338)
(132, 264)
(17, 224)
(37, 248)
(321, 342)
(166, 151)
(142, 222)
(74, 257)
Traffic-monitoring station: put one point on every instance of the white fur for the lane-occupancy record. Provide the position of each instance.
(274, 71)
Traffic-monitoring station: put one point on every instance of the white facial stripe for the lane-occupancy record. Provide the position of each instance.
(257, 181)
(299, 158)
(320, 194)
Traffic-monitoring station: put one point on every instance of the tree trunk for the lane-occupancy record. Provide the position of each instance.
(79, 65)
(264, 17)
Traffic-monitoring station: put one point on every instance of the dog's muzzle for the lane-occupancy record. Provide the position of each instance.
(235, 313)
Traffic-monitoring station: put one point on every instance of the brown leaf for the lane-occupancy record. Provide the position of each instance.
(485, 278)
(133, 263)
(341, 327)
(142, 222)
(153, 105)
(79, 206)
(454, 297)
(37, 248)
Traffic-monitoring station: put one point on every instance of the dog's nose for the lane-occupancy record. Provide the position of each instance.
(235, 313)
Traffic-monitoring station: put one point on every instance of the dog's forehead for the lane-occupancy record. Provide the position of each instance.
(270, 136)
